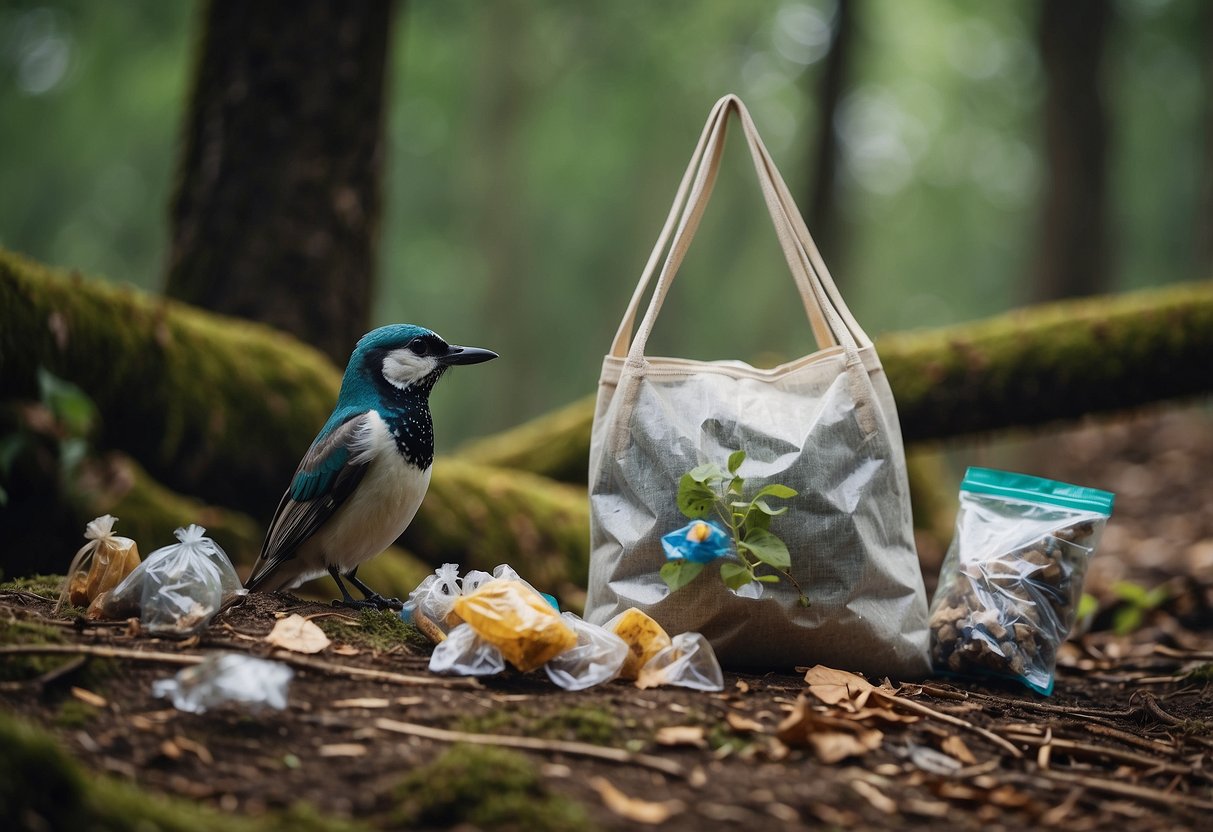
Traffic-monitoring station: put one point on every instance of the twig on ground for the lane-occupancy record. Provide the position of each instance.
(1128, 790)
(919, 708)
(278, 655)
(580, 749)
(68, 667)
(1154, 708)
(1089, 750)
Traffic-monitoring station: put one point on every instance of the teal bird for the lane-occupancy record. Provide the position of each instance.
(364, 477)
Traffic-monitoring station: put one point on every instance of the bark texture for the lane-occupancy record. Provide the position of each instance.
(277, 202)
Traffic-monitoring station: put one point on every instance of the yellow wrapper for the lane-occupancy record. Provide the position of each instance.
(517, 621)
(644, 637)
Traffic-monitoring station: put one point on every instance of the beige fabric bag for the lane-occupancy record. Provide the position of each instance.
(825, 424)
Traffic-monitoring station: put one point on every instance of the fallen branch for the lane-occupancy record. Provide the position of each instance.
(1115, 787)
(578, 749)
(102, 651)
(1089, 751)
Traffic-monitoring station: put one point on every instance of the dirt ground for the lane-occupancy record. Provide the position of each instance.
(1126, 740)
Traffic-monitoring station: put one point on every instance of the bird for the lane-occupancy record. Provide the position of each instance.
(366, 473)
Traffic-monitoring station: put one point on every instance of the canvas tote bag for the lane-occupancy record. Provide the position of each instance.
(824, 424)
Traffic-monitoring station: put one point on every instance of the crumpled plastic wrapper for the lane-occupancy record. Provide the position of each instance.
(178, 588)
(464, 653)
(644, 637)
(688, 662)
(1010, 584)
(513, 617)
(227, 678)
(99, 566)
(598, 656)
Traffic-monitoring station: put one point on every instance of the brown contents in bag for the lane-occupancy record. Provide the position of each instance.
(99, 565)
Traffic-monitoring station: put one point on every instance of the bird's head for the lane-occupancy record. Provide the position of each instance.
(403, 358)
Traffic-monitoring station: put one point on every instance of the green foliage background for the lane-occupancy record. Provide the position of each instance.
(535, 146)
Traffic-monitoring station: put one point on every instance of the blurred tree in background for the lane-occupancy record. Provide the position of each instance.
(533, 148)
(276, 208)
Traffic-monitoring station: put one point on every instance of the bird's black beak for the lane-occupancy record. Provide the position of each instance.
(465, 355)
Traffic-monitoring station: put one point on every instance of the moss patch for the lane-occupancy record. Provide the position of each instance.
(45, 586)
(380, 630)
(489, 788)
(584, 724)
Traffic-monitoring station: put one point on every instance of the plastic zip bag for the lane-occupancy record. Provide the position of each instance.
(464, 653)
(1011, 581)
(99, 565)
(688, 662)
(227, 677)
(179, 587)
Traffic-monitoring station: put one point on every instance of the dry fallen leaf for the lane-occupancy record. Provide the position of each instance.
(838, 687)
(831, 739)
(90, 698)
(346, 650)
(634, 809)
(743, 724)
(682, 735)
(956, 747)
(364, 702)
(343, 749)
(879, 800)
(297, 634)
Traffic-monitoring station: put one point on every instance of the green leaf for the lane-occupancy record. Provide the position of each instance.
(1157, 596)
(735, 486)
(768, 579)
(765, 508)
(767, 548)
(71, 405)
(695, 499)
(756, 520)
(1127, 620)
(776, 490)
(679, 573)
(735, 460)
(710, 472)
(1087, 605)
(735, 575)
(1131, 592)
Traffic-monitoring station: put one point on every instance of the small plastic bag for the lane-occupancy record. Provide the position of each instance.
(430, 604)
(597, 658)
(644, 637)
(227, 677)
(179, 587)
(688, 662)
(1010, 584)
(514, 617)
(464, 653)
(99, 565)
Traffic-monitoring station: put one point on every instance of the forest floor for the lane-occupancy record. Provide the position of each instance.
(1126, 739)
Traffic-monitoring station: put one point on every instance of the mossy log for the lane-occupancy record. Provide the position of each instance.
(1021, 369)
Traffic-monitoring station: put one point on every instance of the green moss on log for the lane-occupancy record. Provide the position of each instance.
(211, 406)
(1021, 369)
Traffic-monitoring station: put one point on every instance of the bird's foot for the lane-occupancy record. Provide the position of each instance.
(372, 602)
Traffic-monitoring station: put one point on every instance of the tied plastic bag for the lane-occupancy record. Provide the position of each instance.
(1010, 584)
(514, 617)
(227, 677)
(464, 653)
(99, 565)
(688, 662)
(179, 587)
(597, 658)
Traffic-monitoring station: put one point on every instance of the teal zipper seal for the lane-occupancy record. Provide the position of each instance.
(1037, 490)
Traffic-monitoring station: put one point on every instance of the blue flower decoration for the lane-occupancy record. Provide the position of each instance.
(700, 541)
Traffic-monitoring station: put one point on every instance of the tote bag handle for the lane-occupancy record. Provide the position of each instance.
(831, 321)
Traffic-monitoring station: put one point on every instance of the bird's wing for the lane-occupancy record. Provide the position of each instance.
(328, 474)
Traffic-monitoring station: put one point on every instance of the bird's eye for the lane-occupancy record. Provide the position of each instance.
(419, 347)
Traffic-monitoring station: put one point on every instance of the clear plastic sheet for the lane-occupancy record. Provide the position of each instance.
(597, 658)
(515, 618)
(179, 587)
(688, 662)
(434, 597)
(227, 677)
(100, 565)
(1010, 584)
(464, 653)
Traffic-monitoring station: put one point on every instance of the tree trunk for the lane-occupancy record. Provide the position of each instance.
(277, 203)
(822, 214)
(1072, 252)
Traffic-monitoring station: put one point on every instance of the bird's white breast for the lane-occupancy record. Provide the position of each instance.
(381, 507)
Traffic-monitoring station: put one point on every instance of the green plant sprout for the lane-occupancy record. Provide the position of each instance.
(1139, 602)
(709, 491)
